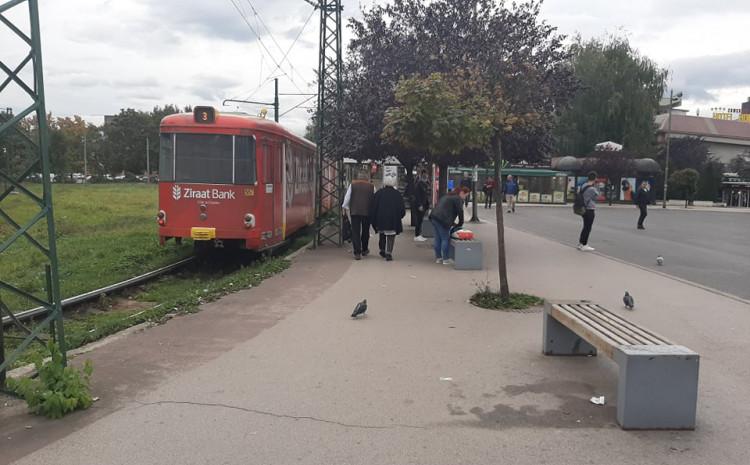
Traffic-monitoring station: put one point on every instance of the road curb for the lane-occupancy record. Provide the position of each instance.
(641, 267)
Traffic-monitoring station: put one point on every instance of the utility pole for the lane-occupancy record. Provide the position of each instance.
(276, 99)
(672, 102)
(148, 163)
(330, 163)
(26, 76)
(85, 160)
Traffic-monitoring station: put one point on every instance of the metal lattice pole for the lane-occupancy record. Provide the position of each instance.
(39, 240)
(330, 164)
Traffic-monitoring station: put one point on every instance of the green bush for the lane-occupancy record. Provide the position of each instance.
(58, 390)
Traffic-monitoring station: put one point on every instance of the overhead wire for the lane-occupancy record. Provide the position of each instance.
(260, 40)
(273, 39)
(299, 105)
(278, 64)
(284, 58)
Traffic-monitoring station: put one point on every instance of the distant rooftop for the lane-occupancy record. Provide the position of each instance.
(700, 126)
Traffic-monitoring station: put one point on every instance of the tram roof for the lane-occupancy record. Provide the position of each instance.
(234, 122)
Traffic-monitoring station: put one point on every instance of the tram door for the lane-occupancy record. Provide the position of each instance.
(268, 190)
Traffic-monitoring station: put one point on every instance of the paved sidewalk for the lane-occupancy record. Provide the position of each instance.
(426, 378)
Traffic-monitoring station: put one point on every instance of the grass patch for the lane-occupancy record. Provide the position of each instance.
(489, 299)
(105, 233)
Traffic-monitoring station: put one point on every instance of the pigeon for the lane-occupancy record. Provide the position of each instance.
(660, 260)
(628, 300)
(360, 309)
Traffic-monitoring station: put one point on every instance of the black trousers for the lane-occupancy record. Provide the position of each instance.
(386, 243)
(488, 199)
(360, 233)
(588, 221)
(418, 217)
(644, 213)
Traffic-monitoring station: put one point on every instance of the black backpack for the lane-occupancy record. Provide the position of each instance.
(579, 205)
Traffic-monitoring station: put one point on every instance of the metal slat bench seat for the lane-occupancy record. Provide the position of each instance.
(658, 380)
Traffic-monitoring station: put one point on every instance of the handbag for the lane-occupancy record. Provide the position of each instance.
(346, 229)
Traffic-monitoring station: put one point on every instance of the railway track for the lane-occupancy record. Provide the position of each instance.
(40, 311)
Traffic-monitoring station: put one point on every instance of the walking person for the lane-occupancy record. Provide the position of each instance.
(357, 202)
(589, 194)
(386, 213)
(448, 213)
(489, 191)
(642, 201)
(511, 191)
(420, 204)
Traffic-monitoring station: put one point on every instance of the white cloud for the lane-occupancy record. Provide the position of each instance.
(103, 55)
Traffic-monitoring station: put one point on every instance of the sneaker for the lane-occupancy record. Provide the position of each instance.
(420, 238)
(586, 248)
(365, 253)
(382, 253)
(439, 261)
(641, 227)
(579, 246)
(358, 257)
(508, 211)
(388, 257)
(447, 261)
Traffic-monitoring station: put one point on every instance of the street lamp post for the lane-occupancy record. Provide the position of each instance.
(474, 216)
(672, 102)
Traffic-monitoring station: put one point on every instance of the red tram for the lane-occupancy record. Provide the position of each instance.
(230, 178)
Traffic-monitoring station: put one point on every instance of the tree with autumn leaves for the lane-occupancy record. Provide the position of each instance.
(451, 79)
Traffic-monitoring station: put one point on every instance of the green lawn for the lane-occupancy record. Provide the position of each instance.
(105, 233)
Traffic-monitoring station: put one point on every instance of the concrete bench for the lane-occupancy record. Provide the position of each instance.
(658, 380)
(466, 255)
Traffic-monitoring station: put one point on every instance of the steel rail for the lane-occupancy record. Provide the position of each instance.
(39, 311)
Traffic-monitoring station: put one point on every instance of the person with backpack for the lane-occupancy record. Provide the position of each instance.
(642, 201)
(585, 205)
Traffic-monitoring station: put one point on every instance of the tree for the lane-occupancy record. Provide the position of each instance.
(619, 97)
(686, 182)
(439, 114)
(693, 152)
(740, 165)
(519, 68)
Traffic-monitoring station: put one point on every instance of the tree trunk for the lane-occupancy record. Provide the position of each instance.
(443, 179)
(497, 153)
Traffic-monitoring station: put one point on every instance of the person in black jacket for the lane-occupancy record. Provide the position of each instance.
(443, 218)
(385, 215)
(642, 200)
(421, 204)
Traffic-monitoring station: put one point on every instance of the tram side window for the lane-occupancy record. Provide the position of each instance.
(204, 158)
(166, 157)
(244, 160)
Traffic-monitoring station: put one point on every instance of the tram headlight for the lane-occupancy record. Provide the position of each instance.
(161, 217)
(249, 220)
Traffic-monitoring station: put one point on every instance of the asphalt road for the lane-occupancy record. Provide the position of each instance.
(711, 248)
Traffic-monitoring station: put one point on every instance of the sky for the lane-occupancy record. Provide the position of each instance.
(103, 55)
